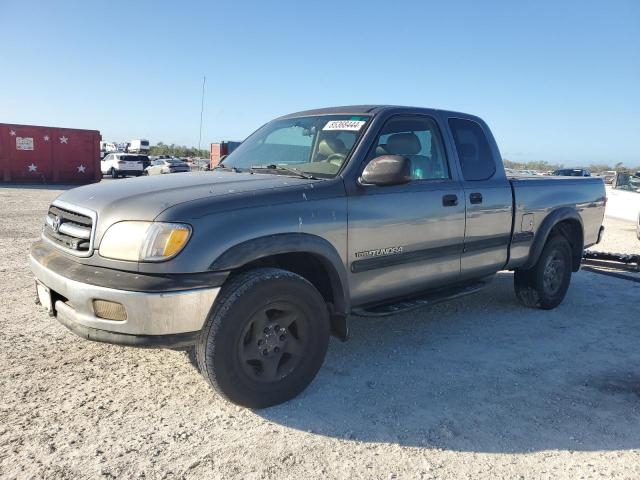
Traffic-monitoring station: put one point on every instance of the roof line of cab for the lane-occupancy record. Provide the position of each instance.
(372, 110)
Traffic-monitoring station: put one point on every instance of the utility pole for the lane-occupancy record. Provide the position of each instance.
(204, 79)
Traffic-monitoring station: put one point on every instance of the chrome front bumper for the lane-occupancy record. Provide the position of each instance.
(148, 314)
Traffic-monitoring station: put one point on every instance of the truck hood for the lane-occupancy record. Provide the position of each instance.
(144, 198)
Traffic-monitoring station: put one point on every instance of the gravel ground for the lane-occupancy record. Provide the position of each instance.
(619, 237)
(476, 388)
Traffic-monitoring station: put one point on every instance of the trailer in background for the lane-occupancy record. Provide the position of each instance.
(35, 154)
(221, 150)
(138, 145)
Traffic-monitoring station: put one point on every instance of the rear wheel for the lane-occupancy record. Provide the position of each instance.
(546, 283)
(265, 339)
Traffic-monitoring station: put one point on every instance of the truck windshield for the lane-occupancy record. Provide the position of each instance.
(317, 145)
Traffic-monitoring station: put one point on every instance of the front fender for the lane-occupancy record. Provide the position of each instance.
(270, 245)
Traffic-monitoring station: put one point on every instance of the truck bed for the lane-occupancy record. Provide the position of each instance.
(536, 196)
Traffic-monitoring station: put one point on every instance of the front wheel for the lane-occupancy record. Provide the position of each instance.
(265, 339)
(114, 173)
(546, 283)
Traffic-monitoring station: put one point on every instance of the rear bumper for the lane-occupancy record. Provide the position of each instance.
(170, 318)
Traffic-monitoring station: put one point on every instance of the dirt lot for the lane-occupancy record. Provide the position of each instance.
(619, 237)
(477, 388)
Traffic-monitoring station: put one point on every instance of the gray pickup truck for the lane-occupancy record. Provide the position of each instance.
(367, 210)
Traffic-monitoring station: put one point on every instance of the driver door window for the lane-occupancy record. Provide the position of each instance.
(418, 139)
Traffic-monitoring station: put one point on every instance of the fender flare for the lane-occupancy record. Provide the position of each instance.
(283, 243)
(540, 239)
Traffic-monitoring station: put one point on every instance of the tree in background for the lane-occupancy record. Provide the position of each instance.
(177, 151)
(543, 166)
(540, 165)
(599, 167)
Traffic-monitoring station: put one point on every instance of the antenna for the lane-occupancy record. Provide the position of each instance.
(204, 79)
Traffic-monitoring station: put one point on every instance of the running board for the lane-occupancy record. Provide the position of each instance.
(431, 298)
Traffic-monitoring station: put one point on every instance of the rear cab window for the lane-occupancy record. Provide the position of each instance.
(473, 149)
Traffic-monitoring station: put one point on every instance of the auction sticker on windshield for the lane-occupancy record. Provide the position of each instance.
(353, 125)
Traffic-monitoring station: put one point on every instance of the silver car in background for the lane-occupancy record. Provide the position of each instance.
(166, 165)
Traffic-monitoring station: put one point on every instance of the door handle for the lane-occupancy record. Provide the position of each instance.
(475, 198)
(449, 200)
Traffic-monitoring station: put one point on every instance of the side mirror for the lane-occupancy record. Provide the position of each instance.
(386, 170)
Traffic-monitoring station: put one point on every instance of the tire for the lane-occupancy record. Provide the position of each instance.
(265, 338)
(114, 173)
(546, 283)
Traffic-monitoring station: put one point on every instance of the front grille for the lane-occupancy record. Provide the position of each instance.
(70, 228)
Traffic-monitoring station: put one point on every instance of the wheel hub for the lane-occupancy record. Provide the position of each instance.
(272, 344)
(272, 340)
(553, 273)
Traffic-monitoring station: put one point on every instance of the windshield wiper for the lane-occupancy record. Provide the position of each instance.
(222, 166)
(282, 168)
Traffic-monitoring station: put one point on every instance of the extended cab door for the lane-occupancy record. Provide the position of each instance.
(487, 197)
(406, 238)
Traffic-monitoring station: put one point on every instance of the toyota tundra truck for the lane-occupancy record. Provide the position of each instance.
(366, 210)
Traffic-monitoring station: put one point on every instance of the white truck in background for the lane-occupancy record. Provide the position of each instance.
(138, 146)
(623, 199)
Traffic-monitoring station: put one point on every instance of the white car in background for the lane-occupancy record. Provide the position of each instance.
(166, 165)
(623, 199)
(122, 165)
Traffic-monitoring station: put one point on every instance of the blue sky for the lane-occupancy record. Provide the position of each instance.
(556, 81)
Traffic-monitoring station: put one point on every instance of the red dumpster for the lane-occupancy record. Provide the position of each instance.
(219, 150)
(32, 154)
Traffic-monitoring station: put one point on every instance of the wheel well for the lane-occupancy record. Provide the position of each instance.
(572, 231)
(320, 274)
(307, 265)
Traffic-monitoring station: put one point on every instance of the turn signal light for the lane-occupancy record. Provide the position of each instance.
(109, 310)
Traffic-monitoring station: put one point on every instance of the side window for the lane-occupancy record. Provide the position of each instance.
(473, 149)
(418, 139)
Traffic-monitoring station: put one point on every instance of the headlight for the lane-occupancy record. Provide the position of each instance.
(144, 241)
